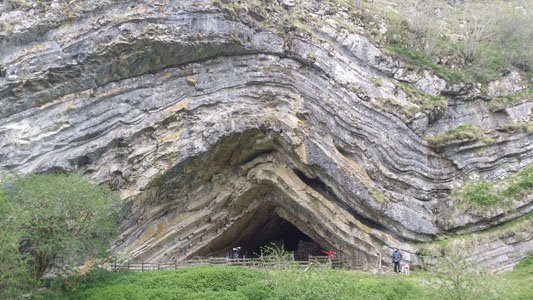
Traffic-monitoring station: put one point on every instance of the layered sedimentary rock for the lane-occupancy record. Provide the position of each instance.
(218, 133)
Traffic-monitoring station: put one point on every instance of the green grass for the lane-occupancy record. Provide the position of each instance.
(480, 194)
(242, 283)
(498, 103)
(517, 284)
(490, 193)
(418, 59)
(514, 127)
(465, 132)
(334, 284)
(484, 198)
(424, 100)
(192, 283)
(519, 228)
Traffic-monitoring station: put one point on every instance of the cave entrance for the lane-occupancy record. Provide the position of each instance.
(279, 232)
(261, 228)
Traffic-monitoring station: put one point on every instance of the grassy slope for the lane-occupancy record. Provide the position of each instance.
(517, 284)
(241, 283)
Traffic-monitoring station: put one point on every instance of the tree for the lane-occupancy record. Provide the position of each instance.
(461, 276)
(15, 277)
(51, 222)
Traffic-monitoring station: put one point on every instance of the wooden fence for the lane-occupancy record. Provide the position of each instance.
(248, 262)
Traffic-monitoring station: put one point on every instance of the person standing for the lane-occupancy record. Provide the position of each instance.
(236, 252)
(396, 258)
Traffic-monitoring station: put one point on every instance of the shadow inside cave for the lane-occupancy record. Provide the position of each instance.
(262, 228)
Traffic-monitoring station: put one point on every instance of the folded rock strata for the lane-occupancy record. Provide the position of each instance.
(218, 133)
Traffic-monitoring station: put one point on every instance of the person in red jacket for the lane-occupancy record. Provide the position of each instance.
(330, 254)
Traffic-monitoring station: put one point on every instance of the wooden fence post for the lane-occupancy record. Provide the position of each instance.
(142, 266)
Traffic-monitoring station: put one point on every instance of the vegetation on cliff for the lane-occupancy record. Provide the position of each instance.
(489, 193)
(460, 40)
(476, 38)
(462, 133)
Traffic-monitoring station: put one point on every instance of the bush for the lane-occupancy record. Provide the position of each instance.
(476, 40)
(320, 283)
(51, 222)
(293, 283)
(191, 283)
(256, 291)
(461, 277)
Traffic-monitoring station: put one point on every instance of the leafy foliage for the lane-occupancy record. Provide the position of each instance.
(51, 222)
(461, 41)
(274, 256)
(192, 283)
(15, 279)
(243, 283)
(461, 277)
(476, 40)
(223, 282)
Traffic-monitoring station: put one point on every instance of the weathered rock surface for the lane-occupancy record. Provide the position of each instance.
(509, 84)
(215, 131)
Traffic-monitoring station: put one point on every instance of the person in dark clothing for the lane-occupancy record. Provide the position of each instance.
(236, 252)
(396, 258)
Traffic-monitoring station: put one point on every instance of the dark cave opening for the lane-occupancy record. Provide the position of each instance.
(281, 233)
(262, 228)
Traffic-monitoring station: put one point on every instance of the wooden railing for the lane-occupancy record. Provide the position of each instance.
(249, 262)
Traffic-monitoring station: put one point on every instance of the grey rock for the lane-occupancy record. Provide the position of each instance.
(212, 129)
(509, 84)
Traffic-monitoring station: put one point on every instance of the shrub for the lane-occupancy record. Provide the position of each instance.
(190, 283)
(461, 277)
(474, 40)
(274, 256)
(51, 221)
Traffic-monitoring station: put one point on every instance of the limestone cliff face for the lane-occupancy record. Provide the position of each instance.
(219, 133)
